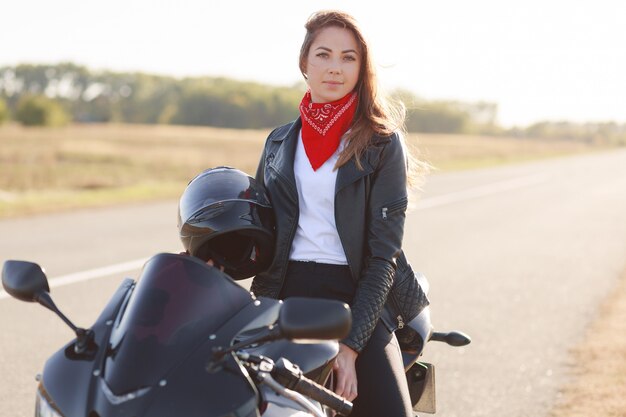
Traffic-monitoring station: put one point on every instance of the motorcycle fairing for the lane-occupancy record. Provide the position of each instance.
(78, 385)
(67, 378)
(177, 304)
(109, 383)
(188, 390)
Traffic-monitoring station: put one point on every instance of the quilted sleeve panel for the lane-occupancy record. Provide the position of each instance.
(369, 301)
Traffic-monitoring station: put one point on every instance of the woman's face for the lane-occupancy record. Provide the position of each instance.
(332, 64)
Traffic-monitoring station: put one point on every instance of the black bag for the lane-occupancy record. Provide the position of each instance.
(405, 301)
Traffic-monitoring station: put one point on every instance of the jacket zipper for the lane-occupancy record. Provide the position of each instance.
(400, 321)
(396, 205)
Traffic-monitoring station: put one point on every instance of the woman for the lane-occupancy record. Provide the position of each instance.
(337, 180)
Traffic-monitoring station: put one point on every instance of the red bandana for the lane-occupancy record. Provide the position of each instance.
(323, 125)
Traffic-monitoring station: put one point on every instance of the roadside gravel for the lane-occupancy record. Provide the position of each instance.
(598, 384)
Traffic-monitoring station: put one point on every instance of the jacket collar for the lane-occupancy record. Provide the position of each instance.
(286, 140)
(284, 157)
(288, 131)
(348, 173)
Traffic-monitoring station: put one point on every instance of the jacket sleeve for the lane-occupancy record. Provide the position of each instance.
(386, 214)
(258, 287)
(259, 177)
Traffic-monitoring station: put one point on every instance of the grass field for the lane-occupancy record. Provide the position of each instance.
(44, 169)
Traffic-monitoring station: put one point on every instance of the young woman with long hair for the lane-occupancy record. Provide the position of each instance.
(338, 180)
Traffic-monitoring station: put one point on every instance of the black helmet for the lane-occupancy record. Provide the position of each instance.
(225, 216)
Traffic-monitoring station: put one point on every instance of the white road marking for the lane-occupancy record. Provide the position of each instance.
(90, 274)
(437, 201)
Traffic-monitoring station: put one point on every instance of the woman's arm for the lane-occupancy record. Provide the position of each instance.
(385, 230)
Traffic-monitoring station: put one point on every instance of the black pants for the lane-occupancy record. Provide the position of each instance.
(382, 386)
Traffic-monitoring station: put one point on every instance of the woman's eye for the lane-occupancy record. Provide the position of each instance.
(349, 58)
(322, 55)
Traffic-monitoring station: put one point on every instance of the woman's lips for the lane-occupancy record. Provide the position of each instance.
(333, 85)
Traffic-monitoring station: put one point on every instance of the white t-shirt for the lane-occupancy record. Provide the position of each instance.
(316, 237)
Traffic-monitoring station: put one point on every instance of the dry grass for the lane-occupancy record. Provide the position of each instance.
(47, 169)
(98, 156)
(598, 387)
(453, 152)
(43, 169)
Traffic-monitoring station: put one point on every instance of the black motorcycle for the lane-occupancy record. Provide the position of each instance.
(186, 340)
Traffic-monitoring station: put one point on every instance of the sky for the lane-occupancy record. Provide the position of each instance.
(537, 59)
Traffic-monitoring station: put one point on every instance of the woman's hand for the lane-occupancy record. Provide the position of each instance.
(211, 263)
(345, 371)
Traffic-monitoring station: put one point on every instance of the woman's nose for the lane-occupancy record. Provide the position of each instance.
(335, 69)
(334, 66)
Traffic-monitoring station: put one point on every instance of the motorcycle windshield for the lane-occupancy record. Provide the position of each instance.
(177, 303)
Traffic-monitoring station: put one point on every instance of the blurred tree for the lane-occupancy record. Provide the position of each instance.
(447, 116)
(227, 103)
(38, 110)
(4, 111)
(105, 96)
(600, 133)
(437, 117)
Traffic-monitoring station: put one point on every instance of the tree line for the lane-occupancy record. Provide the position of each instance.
(86, 96)
(57, 94)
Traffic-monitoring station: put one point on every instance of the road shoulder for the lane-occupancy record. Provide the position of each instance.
(598, 367)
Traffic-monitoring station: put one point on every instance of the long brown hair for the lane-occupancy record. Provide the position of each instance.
(375, 114)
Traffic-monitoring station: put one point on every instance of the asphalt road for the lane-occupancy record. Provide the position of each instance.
(518, 257)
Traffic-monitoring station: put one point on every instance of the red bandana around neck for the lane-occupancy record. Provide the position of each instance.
(323, 125)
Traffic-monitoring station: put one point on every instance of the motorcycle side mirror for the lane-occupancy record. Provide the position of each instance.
(300, 320)
(24, 280)
(27, 281)
(304, 319)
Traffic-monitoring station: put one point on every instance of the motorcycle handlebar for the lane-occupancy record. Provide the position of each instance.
(291, 377)
(325, 396)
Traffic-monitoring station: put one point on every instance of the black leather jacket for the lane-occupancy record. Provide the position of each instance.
(370, 230)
